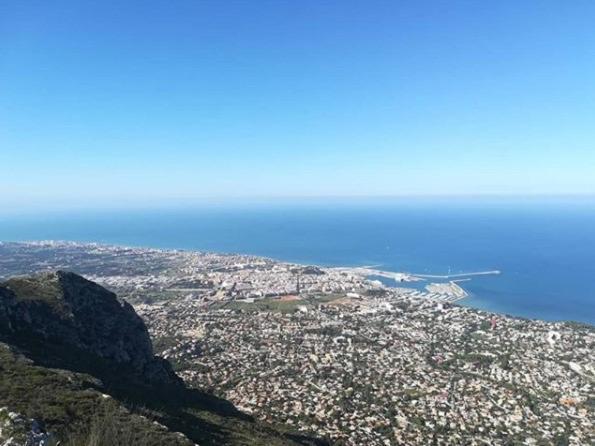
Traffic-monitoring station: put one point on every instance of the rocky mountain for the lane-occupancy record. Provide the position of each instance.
(76, 359)
(66, 308)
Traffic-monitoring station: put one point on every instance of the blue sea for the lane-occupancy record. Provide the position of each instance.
(545, 248)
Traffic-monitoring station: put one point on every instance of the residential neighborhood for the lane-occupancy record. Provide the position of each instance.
(342, 356)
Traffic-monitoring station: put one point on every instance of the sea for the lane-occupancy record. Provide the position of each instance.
(544, 247)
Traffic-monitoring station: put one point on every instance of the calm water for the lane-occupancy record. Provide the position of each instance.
(545, 249)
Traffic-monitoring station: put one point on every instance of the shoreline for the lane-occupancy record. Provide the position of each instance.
(362, 271)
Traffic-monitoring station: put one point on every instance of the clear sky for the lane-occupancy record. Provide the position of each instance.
(149, 101)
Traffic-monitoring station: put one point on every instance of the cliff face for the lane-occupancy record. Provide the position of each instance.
(64, 308)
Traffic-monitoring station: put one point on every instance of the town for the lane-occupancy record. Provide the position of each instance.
(339, 354)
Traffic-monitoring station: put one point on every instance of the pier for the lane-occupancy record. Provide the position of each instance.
(458, 275)
(411, 277)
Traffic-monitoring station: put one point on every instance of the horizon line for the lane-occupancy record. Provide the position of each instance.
(146, 203)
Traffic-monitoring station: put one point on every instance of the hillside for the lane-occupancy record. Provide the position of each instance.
(80, 362)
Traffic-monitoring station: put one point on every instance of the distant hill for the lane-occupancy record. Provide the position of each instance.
(80, 362)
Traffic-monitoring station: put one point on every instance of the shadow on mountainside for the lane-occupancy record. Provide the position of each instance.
(172, 405)
(71, 345)
(202, 417)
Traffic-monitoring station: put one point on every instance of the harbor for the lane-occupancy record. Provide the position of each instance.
(445, 292)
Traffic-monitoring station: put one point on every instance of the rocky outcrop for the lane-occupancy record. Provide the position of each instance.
(16, 430)
(64, 308)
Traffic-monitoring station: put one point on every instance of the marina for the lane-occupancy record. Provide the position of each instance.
(446, 292)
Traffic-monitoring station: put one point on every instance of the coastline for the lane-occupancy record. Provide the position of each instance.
(547, 267)
(449, 292)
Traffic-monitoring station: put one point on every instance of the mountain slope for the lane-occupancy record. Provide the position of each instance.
(75, 357)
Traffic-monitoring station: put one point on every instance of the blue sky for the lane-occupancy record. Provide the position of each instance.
(153, 101)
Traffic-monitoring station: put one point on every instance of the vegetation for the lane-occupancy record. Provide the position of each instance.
(70, 404)
(26, 289)
(109, 428)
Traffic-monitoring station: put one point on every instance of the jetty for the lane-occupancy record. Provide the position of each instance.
(412, 277)
(458, 275)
